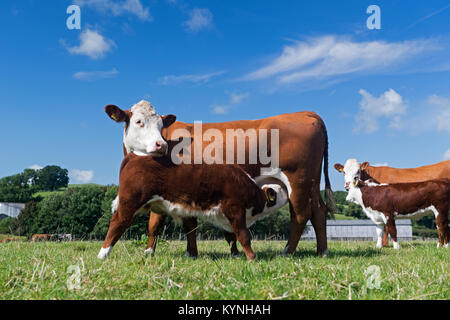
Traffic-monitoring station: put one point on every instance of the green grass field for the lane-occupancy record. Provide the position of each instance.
(43, 271)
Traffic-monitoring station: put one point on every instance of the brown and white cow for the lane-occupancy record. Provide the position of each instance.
(386, 174)
(303, 146)
(41, 237)
(384, 203)
(223, 194)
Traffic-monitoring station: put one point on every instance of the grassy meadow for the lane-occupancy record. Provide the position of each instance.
(353, 270)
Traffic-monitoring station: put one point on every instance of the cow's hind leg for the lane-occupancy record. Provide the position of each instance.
(385, 240)
(392, 230)
(190, 228)
(119, 222)
(155, 224)
(231, 239)
(319, 223)
(300, 209)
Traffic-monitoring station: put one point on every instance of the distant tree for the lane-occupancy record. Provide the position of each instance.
(15, 189)
(51, 178)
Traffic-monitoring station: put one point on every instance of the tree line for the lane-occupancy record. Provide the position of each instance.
(85, 210)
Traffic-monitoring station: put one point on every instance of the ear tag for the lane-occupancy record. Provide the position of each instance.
(114, 117)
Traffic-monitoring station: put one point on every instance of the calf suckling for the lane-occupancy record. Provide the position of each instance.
(384, 203)
(223, 194)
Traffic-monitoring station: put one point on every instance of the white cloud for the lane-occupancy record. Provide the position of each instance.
(192, 78)
(118, 8)
(81, 176)
(447, 155)
(388, 105)
(95, 75)
(199, 18)
(92, 44)
(35, 167)
(237, 98)
(442, 107)
(220, 109)
(328, 56)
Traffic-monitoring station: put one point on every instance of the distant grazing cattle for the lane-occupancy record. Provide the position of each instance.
(383, 203)
(9, 239)
(303, 147)
(386, 174)
(222, 194)
(41, 237)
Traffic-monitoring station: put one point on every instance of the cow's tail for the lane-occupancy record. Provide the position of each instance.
(329, 196)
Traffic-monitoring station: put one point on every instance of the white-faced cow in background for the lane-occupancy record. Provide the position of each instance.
(385, 174)
(303, 148)
(384, 203)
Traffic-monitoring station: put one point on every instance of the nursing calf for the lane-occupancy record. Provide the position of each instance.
(223, 194)
(383, 204)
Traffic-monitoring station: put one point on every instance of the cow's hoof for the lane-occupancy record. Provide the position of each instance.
(104, 253)
(190, 255)
(324, 254)
(235, 255)
(396, 246)
(149, 252)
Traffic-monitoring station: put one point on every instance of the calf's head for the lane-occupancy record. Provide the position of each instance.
(352, 171)
(143, 125)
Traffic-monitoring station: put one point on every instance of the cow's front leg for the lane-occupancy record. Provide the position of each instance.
(190, 228)
(155, 223)
(380, 232)
(119, 222)
(443, 227)
(231, 239)
(385, 242)
(392, 230)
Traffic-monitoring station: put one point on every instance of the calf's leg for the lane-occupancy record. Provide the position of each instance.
(380, 232)
(392, 230)
(155, 223)
(231, 239)
(120, 221)
(385, 241)
(443, 228)
(239, 226)
(190, 227)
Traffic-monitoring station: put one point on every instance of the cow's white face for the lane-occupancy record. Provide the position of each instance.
(352, 172)
(142, 133)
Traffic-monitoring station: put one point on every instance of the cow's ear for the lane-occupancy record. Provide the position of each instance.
(271, 196)
(168, 120)
(339, 167)
(117, 114)
(364, 165)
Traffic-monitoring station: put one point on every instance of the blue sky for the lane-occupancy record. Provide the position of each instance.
(384, 94)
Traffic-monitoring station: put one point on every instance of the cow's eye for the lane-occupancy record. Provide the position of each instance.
(138, 122)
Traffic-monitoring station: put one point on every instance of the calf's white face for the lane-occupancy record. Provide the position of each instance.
(352, 171)
(143, 125)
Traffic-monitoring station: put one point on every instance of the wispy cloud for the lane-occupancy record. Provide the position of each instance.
(190, 78)
(447, 155)
(199, 19)
(81, 176)
(331, 56)
(35, 167)
(118, 8)
(235, 98)
(388, 105)
(92, 44)
(95, 75)
(428, 16)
